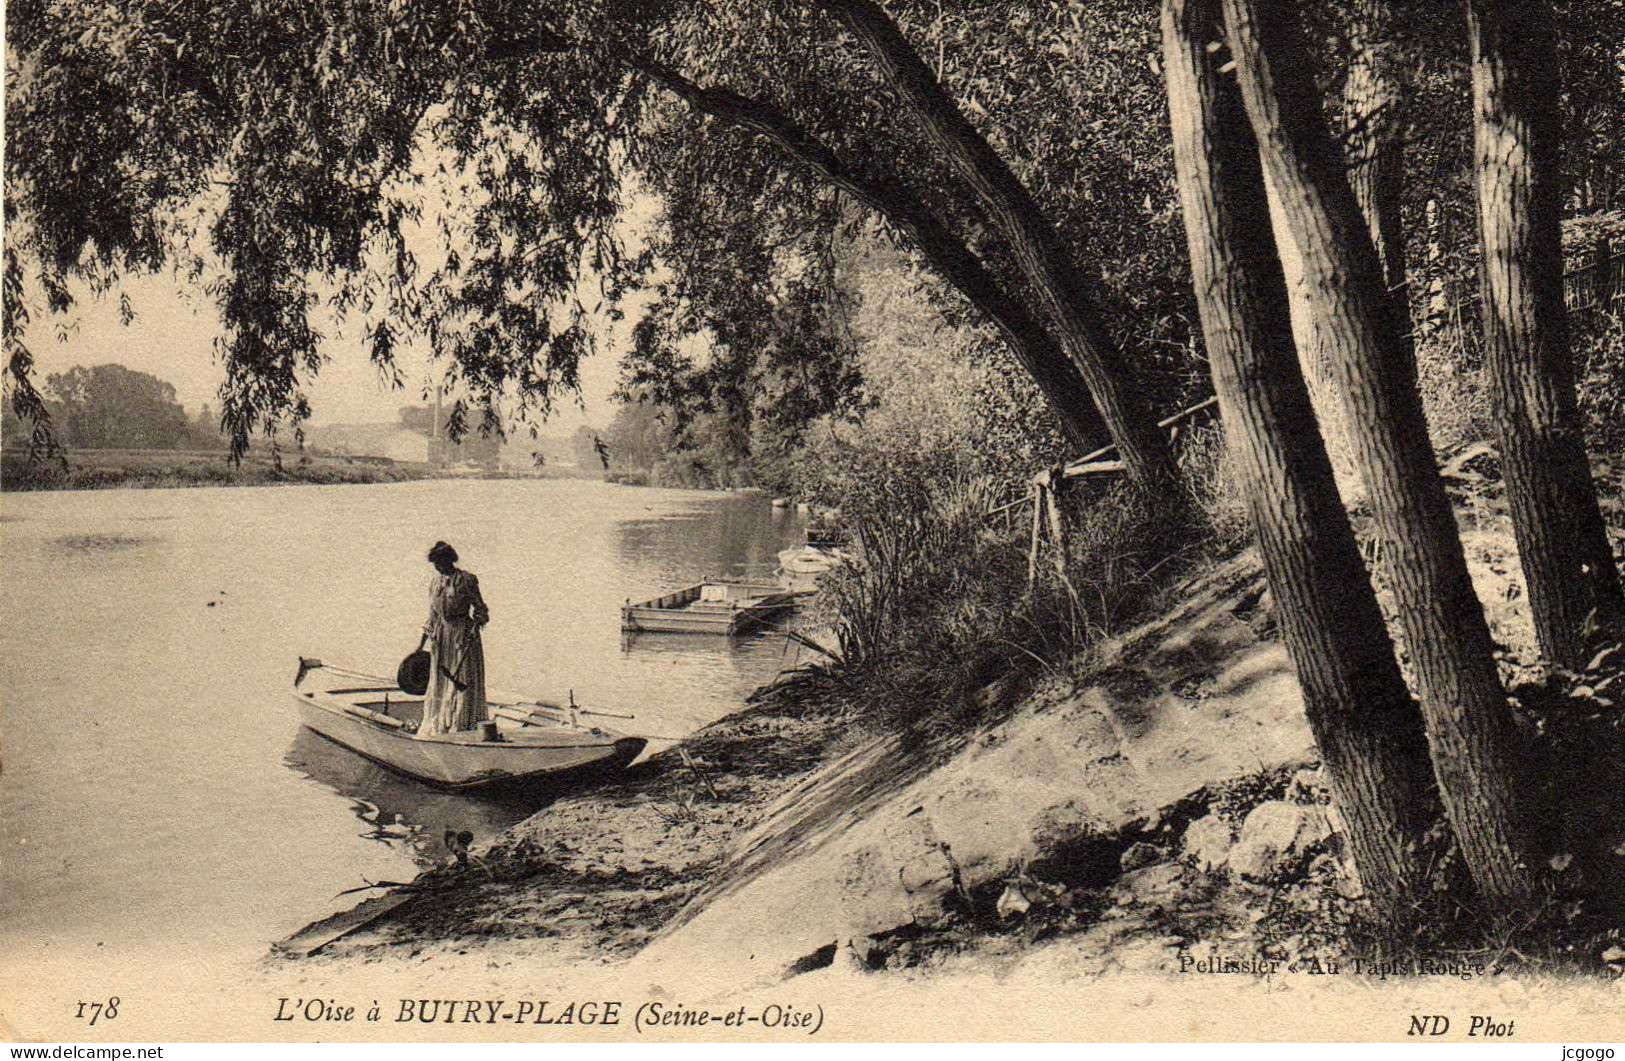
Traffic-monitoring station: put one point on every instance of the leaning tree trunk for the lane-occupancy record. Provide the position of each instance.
(1374, 137)
(1366, 725)
(1033, 346)
(1037, 248)
(1373, 131)
(1323, 394)
(1568, 565)
(1474, 748)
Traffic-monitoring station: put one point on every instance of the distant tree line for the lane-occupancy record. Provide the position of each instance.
(113, 407)
(656, 443)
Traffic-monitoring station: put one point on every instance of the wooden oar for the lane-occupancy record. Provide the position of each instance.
(525, 718)
(603, 714)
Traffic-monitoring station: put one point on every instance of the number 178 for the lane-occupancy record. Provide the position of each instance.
(97, 1010)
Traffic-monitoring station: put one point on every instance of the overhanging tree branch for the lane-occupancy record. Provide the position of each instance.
(1037, 247)
(1033, 345)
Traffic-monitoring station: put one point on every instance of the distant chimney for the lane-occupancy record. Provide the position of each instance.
(437, 449)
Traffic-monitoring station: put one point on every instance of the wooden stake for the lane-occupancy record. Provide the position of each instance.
(1038, 532)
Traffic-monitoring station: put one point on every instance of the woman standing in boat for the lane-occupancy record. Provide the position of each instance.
(456, 696)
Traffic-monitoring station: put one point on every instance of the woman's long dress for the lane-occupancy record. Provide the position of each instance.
(455, 699)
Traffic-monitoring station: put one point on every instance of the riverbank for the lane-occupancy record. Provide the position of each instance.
(599, 872)
(793, 833)
(1163, 802)
(164, 469)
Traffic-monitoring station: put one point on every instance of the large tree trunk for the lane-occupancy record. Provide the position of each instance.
(1373, 137)
(1038, 250)
(1366, 725)
(1323, 394)
(1373, 131)
(1568, 565)
(1474, 748)
(1033, 345)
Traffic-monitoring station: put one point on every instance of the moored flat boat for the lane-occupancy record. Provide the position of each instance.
(715, 607)
(530, 741)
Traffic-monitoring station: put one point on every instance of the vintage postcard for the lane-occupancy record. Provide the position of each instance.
(833, 520)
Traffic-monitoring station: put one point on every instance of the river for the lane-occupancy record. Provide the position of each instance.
(157, 792)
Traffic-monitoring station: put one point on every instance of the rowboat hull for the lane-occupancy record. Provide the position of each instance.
(524, 754)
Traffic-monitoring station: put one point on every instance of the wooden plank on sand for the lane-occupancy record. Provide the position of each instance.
(315, 936)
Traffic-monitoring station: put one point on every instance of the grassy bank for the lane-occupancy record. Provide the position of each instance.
(150, 469)
(147, 469)
(1114, 762)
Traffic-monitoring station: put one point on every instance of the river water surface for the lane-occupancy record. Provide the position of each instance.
(157, 791)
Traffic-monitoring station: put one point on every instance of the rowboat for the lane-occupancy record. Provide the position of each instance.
(524, 742)
(716, 607)
(810, 559)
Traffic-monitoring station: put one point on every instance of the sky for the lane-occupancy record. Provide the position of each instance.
(175, 326)
(172, 337)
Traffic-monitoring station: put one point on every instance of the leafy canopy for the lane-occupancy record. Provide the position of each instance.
(298, 156)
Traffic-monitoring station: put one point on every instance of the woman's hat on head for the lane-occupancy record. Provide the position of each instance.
(442, 551)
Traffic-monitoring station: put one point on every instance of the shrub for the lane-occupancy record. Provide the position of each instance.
(938, 607)
(1599, 359)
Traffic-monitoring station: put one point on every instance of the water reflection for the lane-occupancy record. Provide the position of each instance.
(736, 537)
(399, 812)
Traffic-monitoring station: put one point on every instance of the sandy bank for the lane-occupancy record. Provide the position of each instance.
(790, 827)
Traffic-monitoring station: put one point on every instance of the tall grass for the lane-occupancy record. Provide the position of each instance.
(936, 623)
(939, 605)
(1206, 466)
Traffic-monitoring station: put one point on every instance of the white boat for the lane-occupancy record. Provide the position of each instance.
(810, 560)
(525, 740)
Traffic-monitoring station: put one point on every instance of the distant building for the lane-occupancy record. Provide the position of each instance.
(371, 440)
